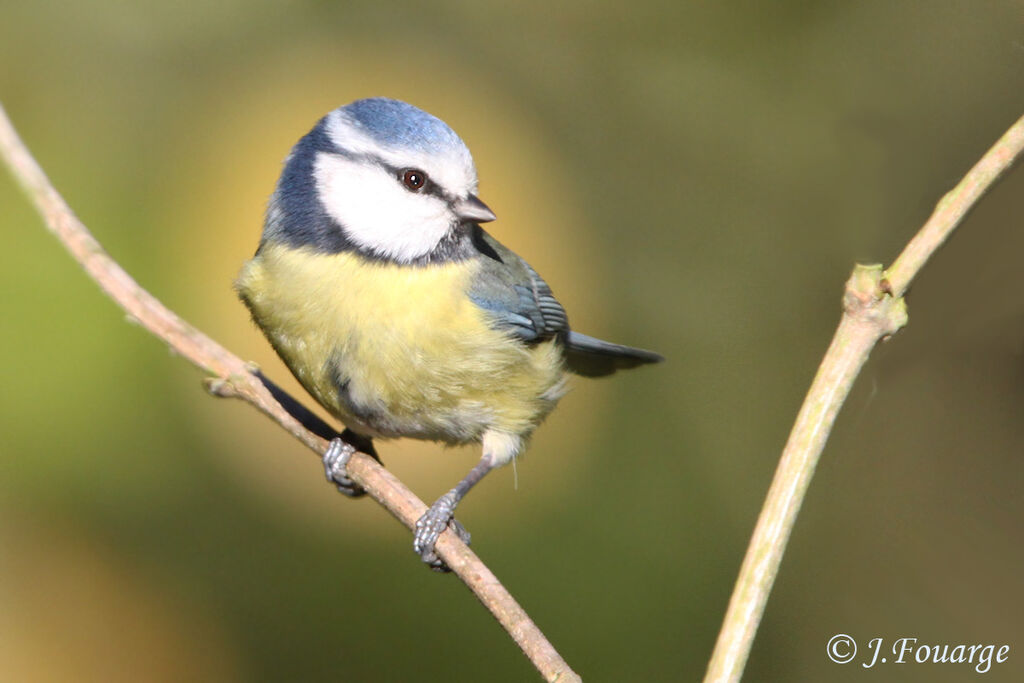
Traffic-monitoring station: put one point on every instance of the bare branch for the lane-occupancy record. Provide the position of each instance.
(233, 377)
(954, 206)
(873, 308)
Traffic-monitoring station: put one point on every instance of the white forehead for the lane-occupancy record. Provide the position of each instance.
(433, 149)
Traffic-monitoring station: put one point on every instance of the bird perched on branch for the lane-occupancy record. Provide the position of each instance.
(378, 288)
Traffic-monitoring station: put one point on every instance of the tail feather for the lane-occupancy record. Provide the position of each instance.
(593, 357)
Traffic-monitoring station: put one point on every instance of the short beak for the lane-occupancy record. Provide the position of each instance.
(474, 210)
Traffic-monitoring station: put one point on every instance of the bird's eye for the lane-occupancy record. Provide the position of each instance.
(414, 179)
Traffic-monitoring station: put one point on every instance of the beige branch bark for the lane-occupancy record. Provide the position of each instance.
(233, 377)
(873, 308)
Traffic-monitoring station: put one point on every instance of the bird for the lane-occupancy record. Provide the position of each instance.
(376, 285)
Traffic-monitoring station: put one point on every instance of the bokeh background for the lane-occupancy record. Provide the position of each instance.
(693, 177)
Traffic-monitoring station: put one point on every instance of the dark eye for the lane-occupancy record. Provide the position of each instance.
(414, 179)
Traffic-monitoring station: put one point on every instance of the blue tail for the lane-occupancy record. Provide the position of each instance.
(592, 357)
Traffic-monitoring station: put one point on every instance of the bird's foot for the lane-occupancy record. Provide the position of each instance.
(336, 459)
(428, 527)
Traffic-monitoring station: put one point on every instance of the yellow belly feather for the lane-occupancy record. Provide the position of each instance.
(416, 353)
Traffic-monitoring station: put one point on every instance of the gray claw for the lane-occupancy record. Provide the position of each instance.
(336, 459)
(433, 522)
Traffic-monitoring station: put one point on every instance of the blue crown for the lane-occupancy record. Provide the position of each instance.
(397, 124)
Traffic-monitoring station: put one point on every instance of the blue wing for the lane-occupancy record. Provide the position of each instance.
(516, 296)
(522, 304)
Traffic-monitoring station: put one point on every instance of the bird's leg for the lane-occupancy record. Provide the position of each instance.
(439, 516)
(336, 459)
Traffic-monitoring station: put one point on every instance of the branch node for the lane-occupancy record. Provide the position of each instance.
(220, 387)
(868, 298)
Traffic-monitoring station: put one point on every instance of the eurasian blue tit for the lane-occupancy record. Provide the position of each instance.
(378, 288)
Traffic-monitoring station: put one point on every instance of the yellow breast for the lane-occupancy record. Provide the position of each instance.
(398, 350)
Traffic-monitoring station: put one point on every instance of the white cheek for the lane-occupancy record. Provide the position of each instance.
(377, 212)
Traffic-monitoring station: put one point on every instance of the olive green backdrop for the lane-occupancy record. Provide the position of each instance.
(697, 178)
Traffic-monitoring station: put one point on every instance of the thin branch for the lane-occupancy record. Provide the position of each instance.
(233, 377)
(954, 206)
(873, 308)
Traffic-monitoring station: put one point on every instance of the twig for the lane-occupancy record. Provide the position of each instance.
(873, 308)
(233, 377)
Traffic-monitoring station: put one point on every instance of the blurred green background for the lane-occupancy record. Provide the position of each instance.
(692, 177)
